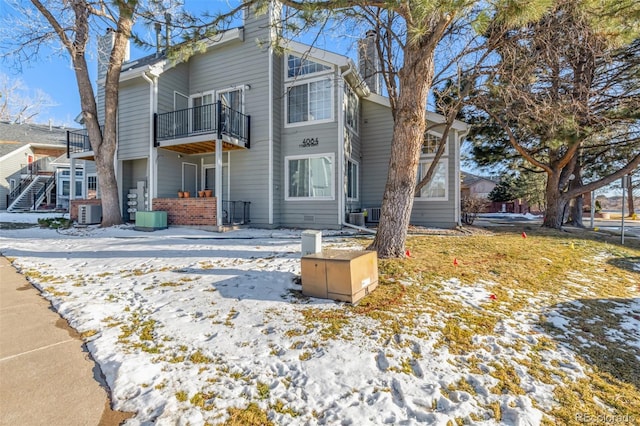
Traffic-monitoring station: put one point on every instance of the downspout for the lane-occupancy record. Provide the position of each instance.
(341, 192)
(270, 142)
(458, 139)
(153, 155)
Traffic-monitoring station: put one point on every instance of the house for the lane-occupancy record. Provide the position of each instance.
(297, 140)
(476, 186)
(27, 153)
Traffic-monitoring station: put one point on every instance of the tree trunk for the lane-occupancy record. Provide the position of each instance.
(630, 203)
(408, 136)
(556, 203)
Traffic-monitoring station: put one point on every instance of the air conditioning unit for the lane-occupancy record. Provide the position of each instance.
(356, 219)
(373, 214)
(89, 214)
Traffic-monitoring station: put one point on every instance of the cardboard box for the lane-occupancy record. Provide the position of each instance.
(342, 275)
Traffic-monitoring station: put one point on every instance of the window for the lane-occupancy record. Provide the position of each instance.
(297, 66)
(92, 186)
(309, 177)
(310, 101)
(352, 180)
(431, 142)
(436, 189)
(352, 109)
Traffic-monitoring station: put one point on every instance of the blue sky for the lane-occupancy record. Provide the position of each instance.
(54, 74)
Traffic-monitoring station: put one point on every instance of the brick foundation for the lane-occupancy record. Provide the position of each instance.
(188, 211)
(73, 209)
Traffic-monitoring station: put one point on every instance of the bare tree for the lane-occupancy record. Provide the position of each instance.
(67, 28)
(19, 103)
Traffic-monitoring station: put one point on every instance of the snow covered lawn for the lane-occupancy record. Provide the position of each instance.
(191, 327)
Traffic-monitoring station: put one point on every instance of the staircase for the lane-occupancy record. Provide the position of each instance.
(32, 195)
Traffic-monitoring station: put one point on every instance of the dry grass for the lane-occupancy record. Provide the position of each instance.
(548, 271)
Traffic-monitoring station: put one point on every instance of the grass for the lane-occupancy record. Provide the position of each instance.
(252, 415)
(546, 271)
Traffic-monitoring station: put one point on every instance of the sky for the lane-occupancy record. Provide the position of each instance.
(54, 74)
(186, 324)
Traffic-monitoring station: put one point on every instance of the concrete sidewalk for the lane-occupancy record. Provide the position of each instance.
(46, 375)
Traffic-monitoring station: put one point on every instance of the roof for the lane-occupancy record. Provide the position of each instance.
(469, 179)
(16, 136)
(433, 117)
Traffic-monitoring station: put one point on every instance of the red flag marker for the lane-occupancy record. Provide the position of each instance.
(524, 234)
(408, 253)
(455, 262)
(493, 297)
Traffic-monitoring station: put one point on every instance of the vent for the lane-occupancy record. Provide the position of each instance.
(373, 214)
(309, 218)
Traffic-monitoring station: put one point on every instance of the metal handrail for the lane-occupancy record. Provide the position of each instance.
(236, 212)
(42, 191)
(204, 119)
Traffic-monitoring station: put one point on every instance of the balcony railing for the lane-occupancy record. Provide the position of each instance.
(77, 141)
(236, 212)
(212, 119)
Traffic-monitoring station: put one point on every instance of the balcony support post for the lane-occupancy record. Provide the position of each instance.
(218, 186)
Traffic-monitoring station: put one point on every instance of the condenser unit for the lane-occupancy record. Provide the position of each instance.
(373, 214)
(356, 219)
(89, 214)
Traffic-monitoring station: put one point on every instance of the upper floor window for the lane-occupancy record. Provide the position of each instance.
(351, 109)
(431, 143)
(297, 66)
(310, 101)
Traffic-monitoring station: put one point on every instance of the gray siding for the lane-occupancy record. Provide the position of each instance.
(11, 168)
(377, 133)
(169, 179)
(133, 122)
(278, 120)
(174, 80)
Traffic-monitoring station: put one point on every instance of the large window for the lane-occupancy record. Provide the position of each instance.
(309, 177)
(351, 109)
(312, 101)
(436, 189)
(352, 180)
(309, 91)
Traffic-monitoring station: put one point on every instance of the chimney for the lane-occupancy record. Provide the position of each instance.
(167, 18)
(158, 39)
(105, 45)
(369, 62)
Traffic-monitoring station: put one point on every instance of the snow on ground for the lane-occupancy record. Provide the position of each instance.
(185, 324)
(6, 217)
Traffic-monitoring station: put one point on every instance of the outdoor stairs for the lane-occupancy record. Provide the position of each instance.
(25, 201)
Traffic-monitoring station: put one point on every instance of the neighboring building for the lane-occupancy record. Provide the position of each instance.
(296, 140)
(476, 186)
(26, 171)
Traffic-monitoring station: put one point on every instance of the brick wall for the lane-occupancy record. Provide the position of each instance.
(73, 210)
(188, 211)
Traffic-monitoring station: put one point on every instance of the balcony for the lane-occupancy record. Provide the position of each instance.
(195, 130)
(78, 144)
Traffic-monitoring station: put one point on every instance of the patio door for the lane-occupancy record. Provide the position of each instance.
(210, 180)
(190, 178)
(232, 107)
(202, 113)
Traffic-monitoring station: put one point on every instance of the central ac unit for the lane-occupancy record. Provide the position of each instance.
(356, 219)
(89, 214)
